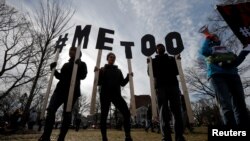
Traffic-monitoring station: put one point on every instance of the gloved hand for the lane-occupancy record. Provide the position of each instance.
(148, 60)
(53, 65)
(96, 69)
(132, 74)
(245, 51)
(178, 56)
(78, 61)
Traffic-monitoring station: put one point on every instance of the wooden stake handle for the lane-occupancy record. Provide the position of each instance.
(185, 91)
(94, 90)
(152, 87)
(132, 93)
(49, 87)
(73, 80)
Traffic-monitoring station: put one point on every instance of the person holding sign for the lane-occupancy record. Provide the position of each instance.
(224, 78)
(110, 81)
(165, 73)
(60, 95)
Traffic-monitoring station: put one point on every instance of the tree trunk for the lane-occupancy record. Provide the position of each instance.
(31, 96)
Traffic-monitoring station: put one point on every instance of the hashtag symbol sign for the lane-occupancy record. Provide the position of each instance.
(60, 43)
(245, 31)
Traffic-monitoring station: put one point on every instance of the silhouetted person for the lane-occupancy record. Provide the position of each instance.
(40, 124)
(32, 119)
(15, 120)
(110, 80)
(6, 119)
(60, 95)
(165, 73)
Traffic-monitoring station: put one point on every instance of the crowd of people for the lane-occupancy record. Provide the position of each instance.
(11, 122)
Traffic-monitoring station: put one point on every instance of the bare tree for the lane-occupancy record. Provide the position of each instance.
(39, 94)
(51, 20)
(8, 17)
(196, 78)
(96, 117)
(84, 104)
(198, 83)
(15, 100)
(206, 112)
(16, 50)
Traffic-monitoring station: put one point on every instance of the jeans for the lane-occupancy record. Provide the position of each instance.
(56, 101)
(170, 96)
(121, 105)
(230, 97)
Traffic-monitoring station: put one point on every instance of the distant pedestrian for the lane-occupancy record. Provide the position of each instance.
(15, 120)
(32, 119)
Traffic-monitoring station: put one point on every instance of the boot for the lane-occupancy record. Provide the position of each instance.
(128, 139)
(43, 139)
(104, 139)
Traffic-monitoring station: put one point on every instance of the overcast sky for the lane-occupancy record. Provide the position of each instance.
(132, 19)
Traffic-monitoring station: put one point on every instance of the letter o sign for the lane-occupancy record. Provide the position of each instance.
(170, 43)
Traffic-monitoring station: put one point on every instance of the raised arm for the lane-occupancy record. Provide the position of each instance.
(58, 75)
(241, 57)
(100, 79)
(206, 50)
(123, 81)
(82, 71)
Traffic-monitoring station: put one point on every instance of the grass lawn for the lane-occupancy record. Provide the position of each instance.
(199, 134)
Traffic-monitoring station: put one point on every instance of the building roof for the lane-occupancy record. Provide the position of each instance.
(142, 100)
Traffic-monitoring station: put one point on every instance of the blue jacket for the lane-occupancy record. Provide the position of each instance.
(206, 51)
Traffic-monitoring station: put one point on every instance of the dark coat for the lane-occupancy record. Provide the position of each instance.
(111, 79)
(64, 77)
(165, 71)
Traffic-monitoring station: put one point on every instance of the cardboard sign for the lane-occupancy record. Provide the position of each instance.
(169, 40)
(146, 50)
(170, 43)
(79, 34)
(128, 51)
(102, 39)
(238, 19)
(100, 45)
(148, 39)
